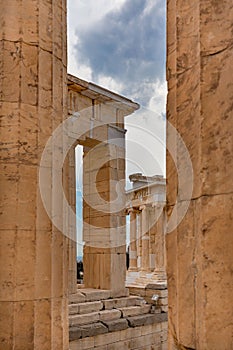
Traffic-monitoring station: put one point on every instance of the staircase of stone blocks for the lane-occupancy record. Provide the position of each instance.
(93, 312)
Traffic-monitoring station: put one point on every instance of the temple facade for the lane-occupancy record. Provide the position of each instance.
(145, 204)
(100, 130)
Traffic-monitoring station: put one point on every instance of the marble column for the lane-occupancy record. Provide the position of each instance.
(104, 232)
(139, 240)
(159, 271)
(33, 253)
(199, 106)
(133, 242)
(69, 186)
(145, 267)
(152, 239)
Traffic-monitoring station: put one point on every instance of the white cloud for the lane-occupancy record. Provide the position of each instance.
(81, 15)
(111, 84)
(145, 151)
(130, 62)
(158, 98)
(85, 13)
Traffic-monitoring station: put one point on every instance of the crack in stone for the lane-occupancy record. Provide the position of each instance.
(219, 51)
(198, 197)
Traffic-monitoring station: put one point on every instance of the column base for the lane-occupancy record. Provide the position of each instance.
(145, 277)
(132, 269)
(145, 270)
(159, 275)
(131, 277)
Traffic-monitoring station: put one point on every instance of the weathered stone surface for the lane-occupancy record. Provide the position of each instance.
(77, 320)
(144, 341)
(146, 319)
(85, 308)
(200, 107)
(96, 294)
(135, 310)
(120, 302)
(103, 161)
(137, 290)
(82, 344)
(108, 338)
(119, 293)
(75, 333)
(77, 298)
(33, 288)
(93, 329)
(141, 338)
(116, 325)
(156, 286)
(109, 315)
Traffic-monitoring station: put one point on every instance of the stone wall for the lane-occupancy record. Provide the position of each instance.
(199, 250)
(99, 320)
(148, 337)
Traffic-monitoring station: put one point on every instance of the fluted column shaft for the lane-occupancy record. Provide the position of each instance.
(199, 106)
(33, 254)
(145, 240)
(159, 270)
(133, 242)
(69, 186)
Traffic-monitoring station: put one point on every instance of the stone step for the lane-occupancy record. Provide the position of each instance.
(146, 292)
(116, 325)
(89, 294)
(110, 315)
(79, 320)
(85, 308)
(123, 302)
(105, 315)
(146, 319)
(96, 294)
(135, 310)
(104, 296)
(77, 298)
(88, 330)
(102, 327)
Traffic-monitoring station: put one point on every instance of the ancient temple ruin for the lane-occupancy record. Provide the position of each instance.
(39, 297)
(145, 204)
(103, 113)
(104, 306)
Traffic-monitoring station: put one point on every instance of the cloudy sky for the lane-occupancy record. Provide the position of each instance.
(120, 45)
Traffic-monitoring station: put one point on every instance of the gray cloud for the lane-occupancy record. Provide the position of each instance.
(127, 45)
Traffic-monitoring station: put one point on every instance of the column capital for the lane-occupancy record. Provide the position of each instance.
(142, 207)
(132, 210)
